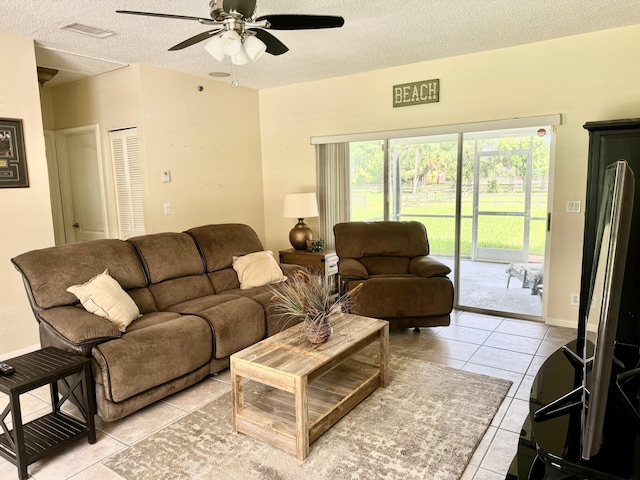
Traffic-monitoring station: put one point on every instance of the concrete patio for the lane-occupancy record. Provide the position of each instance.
(483, 285)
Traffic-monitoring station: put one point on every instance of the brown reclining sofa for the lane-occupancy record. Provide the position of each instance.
(194, 313)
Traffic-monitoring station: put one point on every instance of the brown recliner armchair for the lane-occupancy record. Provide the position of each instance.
(402, 283)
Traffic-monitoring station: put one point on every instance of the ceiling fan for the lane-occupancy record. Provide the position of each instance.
(241, 35)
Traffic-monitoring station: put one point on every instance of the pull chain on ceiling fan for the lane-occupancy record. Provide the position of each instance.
(241, 35)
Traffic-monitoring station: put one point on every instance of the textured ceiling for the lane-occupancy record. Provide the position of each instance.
(377, 34)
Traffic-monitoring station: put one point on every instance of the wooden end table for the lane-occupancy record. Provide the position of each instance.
(33, 441)
(324, 262)
(325, 380)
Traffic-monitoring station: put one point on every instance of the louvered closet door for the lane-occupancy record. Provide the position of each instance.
(128, 182)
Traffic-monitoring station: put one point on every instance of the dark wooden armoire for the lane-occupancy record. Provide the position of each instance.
(610, 141)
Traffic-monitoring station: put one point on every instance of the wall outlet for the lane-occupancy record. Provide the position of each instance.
(167, 209)
(165, 177)
(575, 299)
(573, 206)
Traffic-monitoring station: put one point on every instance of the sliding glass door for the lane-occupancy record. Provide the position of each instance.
(503, 196)
(483, 199)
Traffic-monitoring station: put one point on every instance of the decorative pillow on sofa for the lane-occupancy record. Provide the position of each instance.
(257, 269)
(103, 296)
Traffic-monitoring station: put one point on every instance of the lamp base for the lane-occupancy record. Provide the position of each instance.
(299, 235)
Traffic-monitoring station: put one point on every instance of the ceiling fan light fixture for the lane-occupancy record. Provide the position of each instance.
(241, 58)
(254, 47)
(214, 48)
(231, 42)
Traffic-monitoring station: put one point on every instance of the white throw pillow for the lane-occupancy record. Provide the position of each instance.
(103, 296)
(257, 269)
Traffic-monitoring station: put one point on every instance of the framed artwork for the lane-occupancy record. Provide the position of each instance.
(13, 162)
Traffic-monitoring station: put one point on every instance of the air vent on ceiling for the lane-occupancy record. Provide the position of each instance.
(87, 30)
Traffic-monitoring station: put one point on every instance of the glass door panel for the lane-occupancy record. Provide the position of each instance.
(367, 180)
(424, 185)
(503, 221)
(423, 188)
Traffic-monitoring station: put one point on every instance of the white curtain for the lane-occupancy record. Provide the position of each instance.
(332, 174)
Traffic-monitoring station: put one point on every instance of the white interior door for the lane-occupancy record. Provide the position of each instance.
(82, 184)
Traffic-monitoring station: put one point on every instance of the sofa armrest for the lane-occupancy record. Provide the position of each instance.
(352, 269)
(425, 266)
(78, 326)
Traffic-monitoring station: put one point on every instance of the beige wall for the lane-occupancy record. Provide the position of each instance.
(584, 78)
(209, 139)
(26, 212)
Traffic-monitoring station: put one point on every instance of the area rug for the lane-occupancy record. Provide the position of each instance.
(426, 424)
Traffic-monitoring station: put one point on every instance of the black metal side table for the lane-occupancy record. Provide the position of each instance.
(28, 443)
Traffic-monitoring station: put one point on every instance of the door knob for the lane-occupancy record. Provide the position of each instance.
(75, 225)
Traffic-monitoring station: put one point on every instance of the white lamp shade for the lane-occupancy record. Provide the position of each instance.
(231, 43)
(240, 58)
(214, 48)
(254, 47)
(300, 205)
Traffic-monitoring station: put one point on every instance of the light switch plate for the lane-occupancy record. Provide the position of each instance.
(573, 206)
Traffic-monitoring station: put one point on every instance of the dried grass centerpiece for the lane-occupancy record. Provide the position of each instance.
(306, 297)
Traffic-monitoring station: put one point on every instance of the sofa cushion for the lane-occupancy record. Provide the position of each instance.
(178, 290)
(50, 271)
(152, 318)
(220, 243)
(237, 324)
(168, 255)
(148, 357)
(223, 280)
(144, 299)
(199, 304)
(257, 270)
(103, 296)
(264, 296)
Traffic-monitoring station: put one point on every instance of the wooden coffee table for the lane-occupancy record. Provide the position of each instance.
(313, 386)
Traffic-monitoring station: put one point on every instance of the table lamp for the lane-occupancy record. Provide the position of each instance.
(300, 206)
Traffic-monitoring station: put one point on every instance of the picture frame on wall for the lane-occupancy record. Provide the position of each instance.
(13, 161)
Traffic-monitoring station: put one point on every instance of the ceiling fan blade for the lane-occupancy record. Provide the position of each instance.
(195, 39)
(274, 46)
(301, 22)
(245, 7)
(166, 15)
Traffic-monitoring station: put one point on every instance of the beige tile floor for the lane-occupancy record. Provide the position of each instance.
(500, 347)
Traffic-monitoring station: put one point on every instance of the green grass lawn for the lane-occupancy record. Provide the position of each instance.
(494, 231)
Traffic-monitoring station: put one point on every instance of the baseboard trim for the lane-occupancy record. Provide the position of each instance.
(561, 322)
(17, 353)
